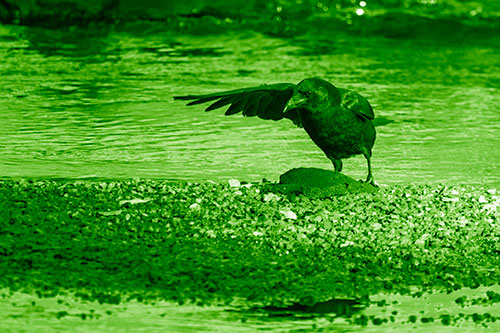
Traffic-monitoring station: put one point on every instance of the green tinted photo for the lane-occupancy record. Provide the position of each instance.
(244, 166)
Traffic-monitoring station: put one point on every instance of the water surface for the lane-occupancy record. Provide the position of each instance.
(98, 103)
(395, 313)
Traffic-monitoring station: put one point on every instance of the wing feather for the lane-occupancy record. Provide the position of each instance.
(252, 105)
(202, 100)
(220, 103)
(263, 104)
(356, 103)
(236, 106)
(265, 101)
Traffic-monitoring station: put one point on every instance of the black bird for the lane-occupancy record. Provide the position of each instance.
(338, 120)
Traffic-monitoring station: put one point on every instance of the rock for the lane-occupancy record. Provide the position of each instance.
(318, 183)
(195, 206)
(234, 183)
(289, 214)
(313, 177)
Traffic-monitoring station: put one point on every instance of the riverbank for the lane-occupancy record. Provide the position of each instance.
(148, 239)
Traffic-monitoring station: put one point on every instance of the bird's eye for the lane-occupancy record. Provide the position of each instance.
(307, 93)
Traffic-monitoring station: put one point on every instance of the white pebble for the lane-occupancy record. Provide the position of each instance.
(289, 214)
(195, 206)
(234, 183)
(270, 196)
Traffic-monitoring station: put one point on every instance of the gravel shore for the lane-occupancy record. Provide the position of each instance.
(118, 240)
(206, 242)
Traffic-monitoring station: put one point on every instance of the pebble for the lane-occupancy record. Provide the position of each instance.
(195, 206)
(234, 183)
(289, 214)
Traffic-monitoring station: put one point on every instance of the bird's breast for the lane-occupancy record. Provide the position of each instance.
(337, 131)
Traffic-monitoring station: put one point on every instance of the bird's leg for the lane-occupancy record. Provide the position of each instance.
(337, 164)
(369, 178)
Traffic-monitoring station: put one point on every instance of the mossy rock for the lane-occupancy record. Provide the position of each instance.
(319, 183)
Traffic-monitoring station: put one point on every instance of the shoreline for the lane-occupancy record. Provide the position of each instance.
(209, 244)
(272, 223)
(226, 180)
(205, 244)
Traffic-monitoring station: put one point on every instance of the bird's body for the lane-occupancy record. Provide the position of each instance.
(339, 121)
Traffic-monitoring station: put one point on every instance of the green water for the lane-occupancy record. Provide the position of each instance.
(28, 313)
(80, 103)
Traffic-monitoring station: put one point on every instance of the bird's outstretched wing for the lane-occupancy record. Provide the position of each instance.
(265, 101)
(356, 103)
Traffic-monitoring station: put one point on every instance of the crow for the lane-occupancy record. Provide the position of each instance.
(339, 121)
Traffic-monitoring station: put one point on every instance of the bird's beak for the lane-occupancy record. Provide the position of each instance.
(295, 102)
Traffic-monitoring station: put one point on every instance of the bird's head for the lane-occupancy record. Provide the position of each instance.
(311, 93)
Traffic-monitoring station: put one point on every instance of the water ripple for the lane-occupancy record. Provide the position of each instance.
(101, 105)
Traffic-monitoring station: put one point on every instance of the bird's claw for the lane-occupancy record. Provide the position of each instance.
(369, 181)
